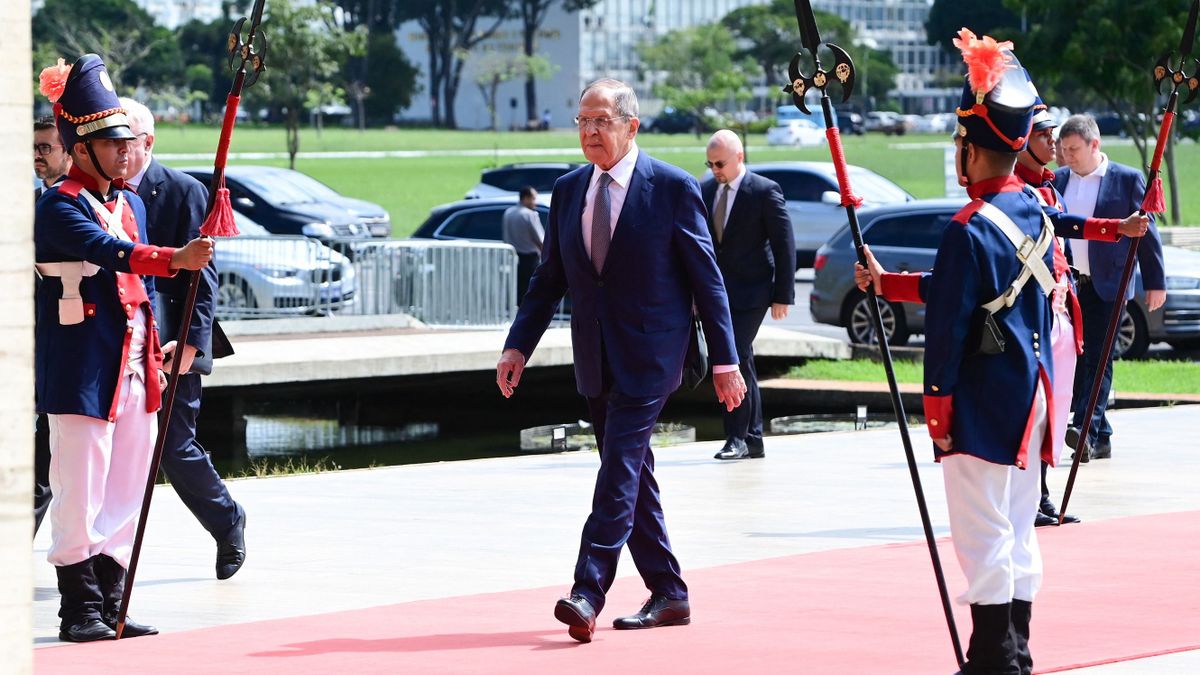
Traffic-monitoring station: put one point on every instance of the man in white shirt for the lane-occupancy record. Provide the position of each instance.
(1093, 186)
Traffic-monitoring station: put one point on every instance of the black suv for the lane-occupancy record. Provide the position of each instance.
(507, 180)
(289, 202)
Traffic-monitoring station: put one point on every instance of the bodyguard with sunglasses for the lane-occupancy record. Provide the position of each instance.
(756, 251)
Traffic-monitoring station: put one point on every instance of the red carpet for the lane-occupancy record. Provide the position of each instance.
(1115, 590)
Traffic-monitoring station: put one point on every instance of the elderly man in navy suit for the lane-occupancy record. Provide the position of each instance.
(175, 206)
(627, 236)
(756, 252)
(1092, 186)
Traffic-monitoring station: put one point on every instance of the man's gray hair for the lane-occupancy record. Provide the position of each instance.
(1083, 126)
(623, 96)
(140, 114)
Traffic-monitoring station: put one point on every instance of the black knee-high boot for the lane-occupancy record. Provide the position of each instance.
(992, 650)
(1022, 612)
(81, 604)
(111, 576)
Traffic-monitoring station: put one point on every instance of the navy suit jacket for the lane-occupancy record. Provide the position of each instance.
(175, 205)
(635, 316)
(757, 253)
(1121, 192)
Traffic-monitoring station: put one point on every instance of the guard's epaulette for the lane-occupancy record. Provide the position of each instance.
(964, 214)
(70, 187)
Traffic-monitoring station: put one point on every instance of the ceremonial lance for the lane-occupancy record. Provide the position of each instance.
(843, 74)
(247, 62)
(1179, 77)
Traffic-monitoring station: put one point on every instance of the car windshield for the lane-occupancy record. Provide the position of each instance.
(876, 189)
(541, 178)
(283, 189)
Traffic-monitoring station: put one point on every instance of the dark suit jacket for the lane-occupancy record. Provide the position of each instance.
(757, 254)
(1121, 192)
(636, 314)
(175, 206)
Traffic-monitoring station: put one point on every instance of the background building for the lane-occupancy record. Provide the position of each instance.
(602, 41)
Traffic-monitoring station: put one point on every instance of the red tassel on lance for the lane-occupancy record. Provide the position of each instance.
(1155, 201)
(220, 222)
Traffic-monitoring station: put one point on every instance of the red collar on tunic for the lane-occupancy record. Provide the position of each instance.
(1009, 183)
(86, 180)
(1034, 177)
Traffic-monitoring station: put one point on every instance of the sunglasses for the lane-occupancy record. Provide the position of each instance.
(716, 165)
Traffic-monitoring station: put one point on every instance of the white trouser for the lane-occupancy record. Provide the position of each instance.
(992, 510)
(1062, 342)
(98, 473)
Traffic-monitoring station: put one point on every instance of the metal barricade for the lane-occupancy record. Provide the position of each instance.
(441, 283)
(261, 277)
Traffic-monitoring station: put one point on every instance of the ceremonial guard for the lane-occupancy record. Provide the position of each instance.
(989, 396)
(98, 360)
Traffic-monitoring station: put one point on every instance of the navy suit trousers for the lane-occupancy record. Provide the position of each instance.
(1096, 315)
(626, 507)
(189, 469)
(745, 421)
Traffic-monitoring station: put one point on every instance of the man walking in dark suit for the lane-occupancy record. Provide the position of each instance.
(175, 206)
(1095, 187)
(756, 251)
(627, 237)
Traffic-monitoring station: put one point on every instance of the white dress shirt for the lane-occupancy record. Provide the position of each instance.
(1080, 199)
(734, 186)
(621, 174)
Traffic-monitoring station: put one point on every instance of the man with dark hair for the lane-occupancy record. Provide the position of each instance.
(522, 229)
(627, 237)
(1093, 186)
(175, 204)
(51, 161)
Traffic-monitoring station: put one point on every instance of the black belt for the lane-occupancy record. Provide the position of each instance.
(1082, 279)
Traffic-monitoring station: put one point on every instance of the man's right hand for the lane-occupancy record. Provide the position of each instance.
(194, 255)
(873, 273)
(1135, 225)
(508, 371)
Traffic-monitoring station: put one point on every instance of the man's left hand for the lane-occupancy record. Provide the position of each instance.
(779, 311)
(189, 355)
(1155, 299)
(731, 388)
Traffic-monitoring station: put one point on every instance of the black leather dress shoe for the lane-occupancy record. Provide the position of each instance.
(231, 553)
(1043, 520)
(579, 616)
(756, 447)
(734, 448)
(1072, 439)
(1103, 449)
(87, 630)
(132, 628)
(658, 611)
(1048, 510)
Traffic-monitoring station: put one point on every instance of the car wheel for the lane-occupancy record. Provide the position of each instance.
(234, 294)
(1133, 338)
(860, 325)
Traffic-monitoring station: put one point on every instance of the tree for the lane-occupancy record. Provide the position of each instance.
(1089, 46)
(391, 79)
(533, 14)
(984, 17)
(206, 44)
(767, 35)
(495, 68)
(136, 51)
(308, 50)
(452, 29)
(697, 68)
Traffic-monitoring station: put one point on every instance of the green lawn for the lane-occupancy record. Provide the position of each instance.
(409, 187)
(1150, 377)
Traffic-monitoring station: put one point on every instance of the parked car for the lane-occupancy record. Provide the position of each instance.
(474, 219)
(260, 274)
(672, 121)
(508, 180)
(887, 123)
(814, 203)
(905, 237)
(796, 133)
(289, 202)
